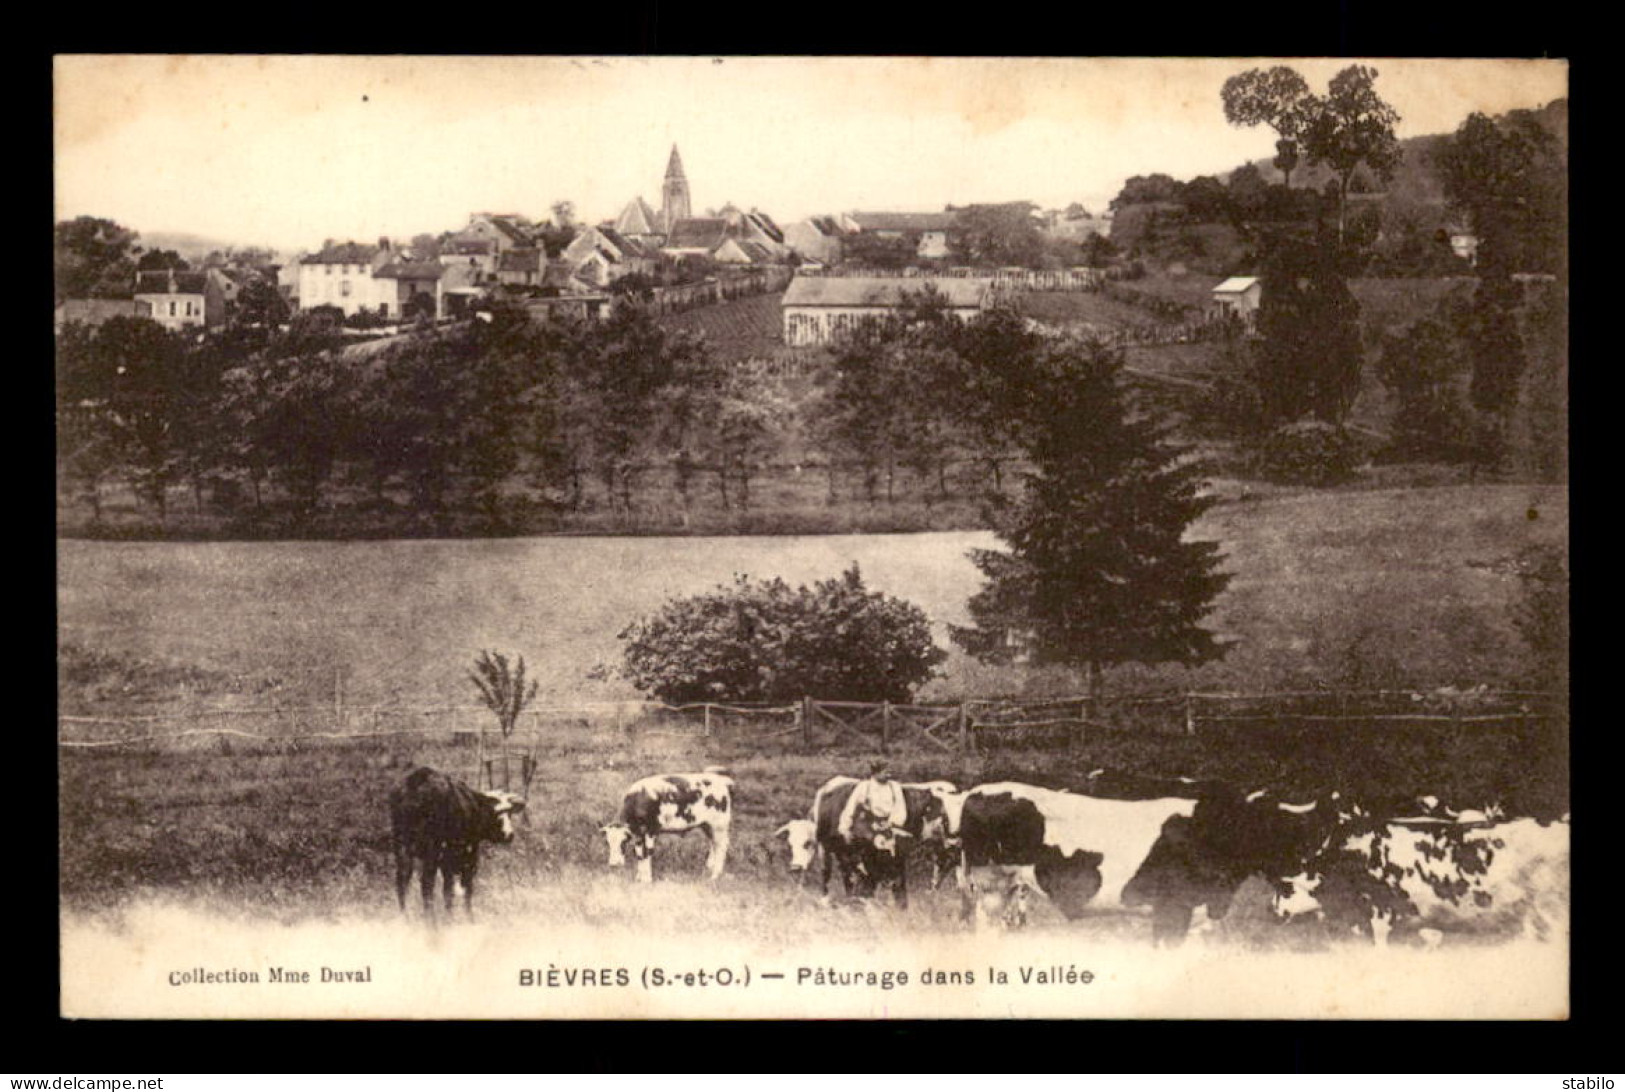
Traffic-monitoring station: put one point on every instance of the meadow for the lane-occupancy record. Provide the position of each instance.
(1366, 589)
(1402, 587)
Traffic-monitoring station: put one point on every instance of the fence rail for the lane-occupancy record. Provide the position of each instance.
(963, 726)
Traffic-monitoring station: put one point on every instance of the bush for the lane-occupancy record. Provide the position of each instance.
(769, 642)
(1309, 453)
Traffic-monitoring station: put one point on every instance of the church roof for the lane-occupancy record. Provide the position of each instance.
(674, 166)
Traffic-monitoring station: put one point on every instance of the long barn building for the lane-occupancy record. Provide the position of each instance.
(818, 310)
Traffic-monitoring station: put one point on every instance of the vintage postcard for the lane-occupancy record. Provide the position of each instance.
(634, 537)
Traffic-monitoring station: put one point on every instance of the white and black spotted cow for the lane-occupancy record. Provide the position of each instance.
(1079, 851)
(672, 804)
(1422, 878)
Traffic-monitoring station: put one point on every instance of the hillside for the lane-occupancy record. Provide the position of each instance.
(1416, 180)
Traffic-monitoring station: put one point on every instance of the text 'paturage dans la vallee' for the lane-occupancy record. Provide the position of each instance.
(555, 976)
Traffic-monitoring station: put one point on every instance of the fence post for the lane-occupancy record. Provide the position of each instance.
(806, 721)
(1190, 715)
(885, 724)
(964, 727)
(705, 712)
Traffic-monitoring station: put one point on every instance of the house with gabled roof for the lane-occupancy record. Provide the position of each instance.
(475, 252)
(815, 239)
(416, 288)
(380, 279)
(178, 299)
(505, 230)
(817, 310)
(600, 255)
(927, 230)
(522, 267)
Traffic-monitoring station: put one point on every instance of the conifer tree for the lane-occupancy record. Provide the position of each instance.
(1098, 572)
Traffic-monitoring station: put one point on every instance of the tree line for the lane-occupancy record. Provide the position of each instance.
(488, 424)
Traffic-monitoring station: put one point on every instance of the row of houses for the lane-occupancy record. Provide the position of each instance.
(176, 299)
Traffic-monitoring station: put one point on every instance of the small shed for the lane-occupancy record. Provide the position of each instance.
(1240, 295)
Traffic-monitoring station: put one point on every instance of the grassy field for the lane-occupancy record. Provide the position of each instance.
(301, 831)
(1351, 588)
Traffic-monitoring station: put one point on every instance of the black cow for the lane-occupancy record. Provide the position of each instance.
(438, 824)
(1202, 859)
(865, 866)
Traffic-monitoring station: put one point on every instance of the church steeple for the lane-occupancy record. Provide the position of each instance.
(674, 202)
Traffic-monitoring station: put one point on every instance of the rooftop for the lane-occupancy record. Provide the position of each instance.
(960, 292)
(903, 221)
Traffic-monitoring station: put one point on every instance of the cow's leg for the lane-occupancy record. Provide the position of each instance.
(645, 851)
(900, 884)
(1170, 921)
(403, 873)
(829, 863)
(426, 881)
(717, 859)
(448, 883)
(468, 888)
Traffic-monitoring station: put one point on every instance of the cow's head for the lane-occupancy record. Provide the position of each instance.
(801, 836)
(618, 835)
(503, 807)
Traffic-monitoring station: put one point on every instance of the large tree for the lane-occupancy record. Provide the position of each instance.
(998, 235)
(94, 258)
(1351, 126)
(1310, 351)
(1098, 570)
(1510, 178)
(1277, 97)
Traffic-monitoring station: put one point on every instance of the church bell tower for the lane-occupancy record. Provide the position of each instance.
(674, 204)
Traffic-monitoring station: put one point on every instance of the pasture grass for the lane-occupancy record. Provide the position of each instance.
(1394, 587)
(303, 830)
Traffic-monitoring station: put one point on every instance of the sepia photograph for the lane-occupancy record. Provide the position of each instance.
(618, 537)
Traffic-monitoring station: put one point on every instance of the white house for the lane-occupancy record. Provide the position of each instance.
(341, 275)
(177, 299)
(820, 309)
(1239, 295)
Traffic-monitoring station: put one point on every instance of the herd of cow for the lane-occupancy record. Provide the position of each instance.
(1178, 850)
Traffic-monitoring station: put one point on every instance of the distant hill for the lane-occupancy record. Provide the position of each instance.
(1417, 179)
(189, 246)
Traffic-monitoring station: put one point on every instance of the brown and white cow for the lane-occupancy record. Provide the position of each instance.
(438, 824)
(672, 804)
(865, 865)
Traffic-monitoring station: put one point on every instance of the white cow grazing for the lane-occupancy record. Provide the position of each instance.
(673, 804)
(1441, 876)
(801, 835)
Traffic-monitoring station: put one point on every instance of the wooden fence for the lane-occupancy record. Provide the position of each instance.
(814, 724)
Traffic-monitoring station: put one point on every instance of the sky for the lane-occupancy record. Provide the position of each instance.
(289, 151)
